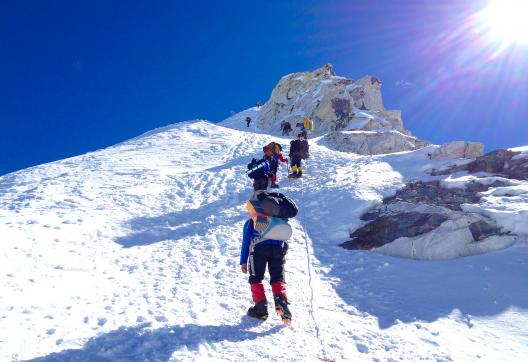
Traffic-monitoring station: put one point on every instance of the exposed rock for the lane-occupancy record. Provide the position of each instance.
(388, 228)
(325, 72)
(373, 143)
(367, 94)
(426, 221)
(458, 149)
(333, 103)
(510, 164)
(432, 193)
(481, 230)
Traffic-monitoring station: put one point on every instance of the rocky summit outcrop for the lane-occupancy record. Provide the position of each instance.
(513, 165)
(373, 143)
(426, 221)
(333, 103)
(458, 149)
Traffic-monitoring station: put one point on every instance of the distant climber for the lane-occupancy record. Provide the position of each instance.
(264, 242)
(248, 121)
(286, 128)
(259, 104)
(273, 154)
(307, 124)
(298, 152)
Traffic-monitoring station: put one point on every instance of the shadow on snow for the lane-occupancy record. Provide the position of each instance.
(182, 224)
(141, 344)
(397, 289)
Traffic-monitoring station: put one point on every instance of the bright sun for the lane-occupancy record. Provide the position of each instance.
(507, 20)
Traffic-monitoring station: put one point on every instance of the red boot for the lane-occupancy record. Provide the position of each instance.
(279, 288)
(281, 301)
(257, 292)
(260, 309)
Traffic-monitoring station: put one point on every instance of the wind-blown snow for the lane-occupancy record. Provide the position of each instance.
(131, 253)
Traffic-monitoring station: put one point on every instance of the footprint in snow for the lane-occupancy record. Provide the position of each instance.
(362, 348)
(161, 318)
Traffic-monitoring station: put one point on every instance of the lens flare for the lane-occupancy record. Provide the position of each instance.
(507, 20)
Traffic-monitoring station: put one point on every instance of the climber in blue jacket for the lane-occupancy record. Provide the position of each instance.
(265, 252)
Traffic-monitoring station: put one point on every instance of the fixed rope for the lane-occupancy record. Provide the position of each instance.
(310, 281)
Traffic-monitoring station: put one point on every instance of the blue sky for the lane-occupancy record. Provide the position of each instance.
(77, 76)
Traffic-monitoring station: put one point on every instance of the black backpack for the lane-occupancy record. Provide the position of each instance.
(258, 168)
(278, 205)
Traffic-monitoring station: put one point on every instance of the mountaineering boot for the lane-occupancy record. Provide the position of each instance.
(274, 186)
(259, 310)
(299, 174)
(281, 308)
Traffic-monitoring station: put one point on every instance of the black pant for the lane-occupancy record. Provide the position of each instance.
(274, 256)
(296, 161)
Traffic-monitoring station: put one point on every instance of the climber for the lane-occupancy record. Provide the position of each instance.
(308, 125)
(273, 154)
(248, 120)
(286, 129)
(298, 152)
(261, 252)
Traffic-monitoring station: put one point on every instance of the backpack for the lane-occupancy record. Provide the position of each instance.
(277, 205)
(274, 146)
(303, 150)
(270, 213)
(258, 168)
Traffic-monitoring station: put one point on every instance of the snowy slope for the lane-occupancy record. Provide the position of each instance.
(131, 254)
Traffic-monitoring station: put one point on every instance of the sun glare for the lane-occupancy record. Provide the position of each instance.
(507, 20)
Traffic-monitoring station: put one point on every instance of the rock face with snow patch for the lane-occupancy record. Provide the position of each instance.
(426, 221)
(458, 149)
(511, 164)
(373, 143)
(333, 103)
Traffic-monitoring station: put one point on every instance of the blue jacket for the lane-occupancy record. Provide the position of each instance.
(248, 234)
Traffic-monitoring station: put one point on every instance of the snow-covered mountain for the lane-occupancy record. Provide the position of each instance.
(131, 253)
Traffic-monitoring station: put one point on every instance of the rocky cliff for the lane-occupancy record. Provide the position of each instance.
(336, 105)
